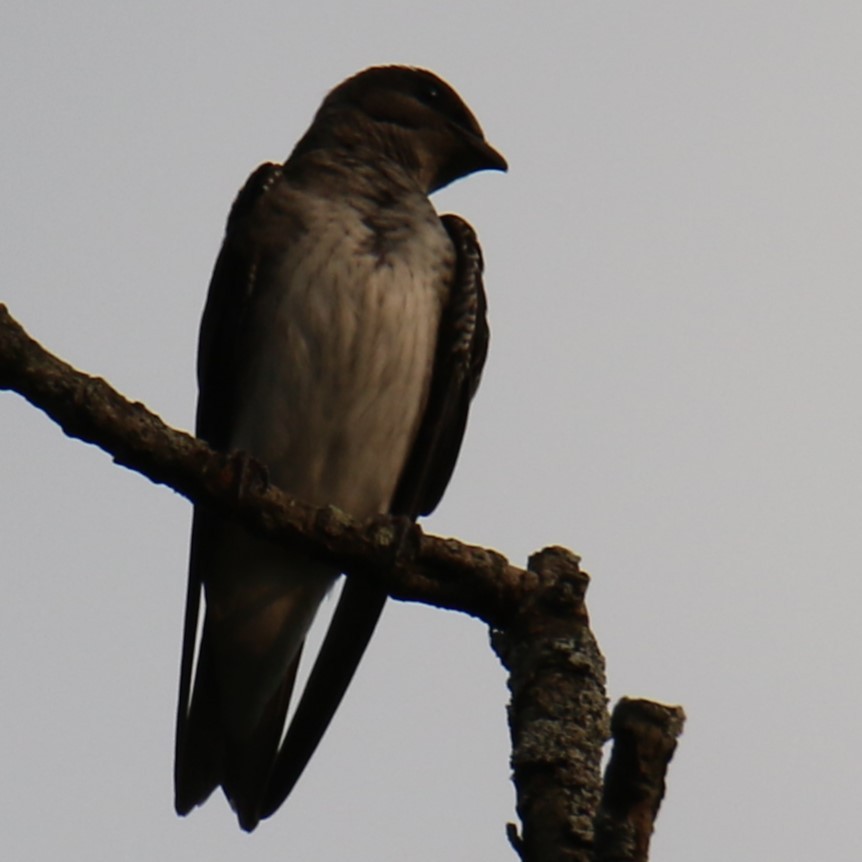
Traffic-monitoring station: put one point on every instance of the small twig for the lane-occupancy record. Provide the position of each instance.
(645, 737)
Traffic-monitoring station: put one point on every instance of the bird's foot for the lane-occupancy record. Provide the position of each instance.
(252, 476)
(395, 537)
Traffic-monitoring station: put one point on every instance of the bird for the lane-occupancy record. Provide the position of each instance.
(342, 340)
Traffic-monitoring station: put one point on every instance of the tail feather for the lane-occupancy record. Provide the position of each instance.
(248, 763)
(208, 755)
(352, 625)
(198, 764)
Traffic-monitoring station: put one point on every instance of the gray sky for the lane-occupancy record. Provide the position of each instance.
(673, 269)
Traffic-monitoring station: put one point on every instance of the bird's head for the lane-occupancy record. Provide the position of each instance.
(409, 116)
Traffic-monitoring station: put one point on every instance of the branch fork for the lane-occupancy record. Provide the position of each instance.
(537, 616)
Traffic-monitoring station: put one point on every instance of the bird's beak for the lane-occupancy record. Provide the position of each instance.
(490, 159)
(471, 153)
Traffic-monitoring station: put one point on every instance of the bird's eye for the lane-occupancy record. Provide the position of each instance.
(429, 93)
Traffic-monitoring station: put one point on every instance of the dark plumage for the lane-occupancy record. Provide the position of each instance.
(343, 338)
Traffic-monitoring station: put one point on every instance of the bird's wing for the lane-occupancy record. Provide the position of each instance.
(231, 292)
(199, 766)
(462, 345)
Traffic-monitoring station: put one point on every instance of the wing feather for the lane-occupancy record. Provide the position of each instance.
(462, 345)
(200, 757)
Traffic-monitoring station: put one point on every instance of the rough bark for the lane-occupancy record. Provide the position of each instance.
(538, 619)
(413, 566)
(645, 736)
(558, 712)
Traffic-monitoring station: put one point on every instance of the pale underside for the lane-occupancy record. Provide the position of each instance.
(330, 402)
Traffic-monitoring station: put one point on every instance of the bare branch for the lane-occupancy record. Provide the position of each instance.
(558, 713)
(412, 565)
(645, 736)
(540, 630)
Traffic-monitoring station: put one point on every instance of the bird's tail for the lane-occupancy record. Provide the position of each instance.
(260, 603)
(208, 755)
(352, 625)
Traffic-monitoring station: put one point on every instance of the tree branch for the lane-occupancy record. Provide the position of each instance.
(540, 630)
(645, 736)
(558, 714)
(413, 566)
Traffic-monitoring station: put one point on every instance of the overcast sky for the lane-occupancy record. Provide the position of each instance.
(673, 270)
